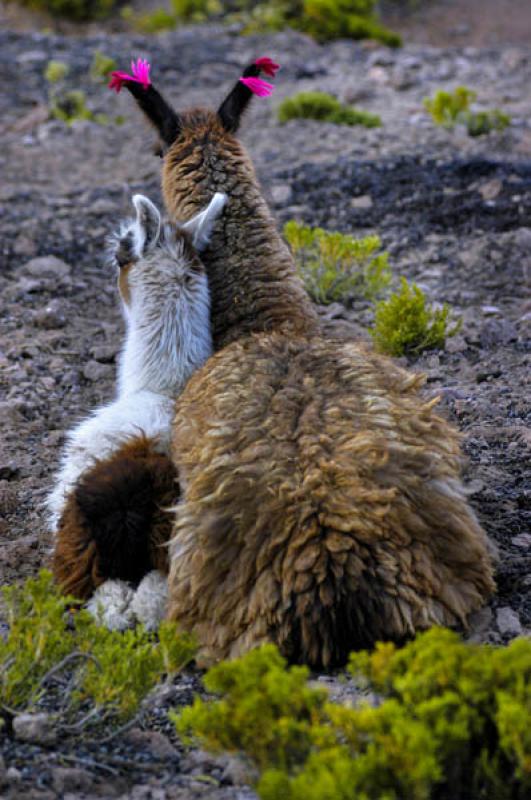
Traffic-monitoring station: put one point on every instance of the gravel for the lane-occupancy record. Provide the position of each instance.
(453, 212)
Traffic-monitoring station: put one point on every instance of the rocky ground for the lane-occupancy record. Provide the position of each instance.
(453, 212)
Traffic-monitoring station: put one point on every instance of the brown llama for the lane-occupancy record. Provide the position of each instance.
(321, 502)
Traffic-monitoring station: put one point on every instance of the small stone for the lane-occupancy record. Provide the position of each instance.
(281, 194)
(158, 745)
(497, 332)
(47, 265)
(238, 772)
(522, 540)
(35, 728)
(94, 371)
(103, 207)
(490, 311)
(51, 316)
(8, 497)
(364, 201)
(13, 775)
(508, 622)
(71, 779)
(105, 353)
(491, 189)
(380, 58)
(455, 344)
(3, 771)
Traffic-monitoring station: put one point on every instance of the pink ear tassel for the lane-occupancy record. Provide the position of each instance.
(140, 70)
(268, 66)
(258, 86)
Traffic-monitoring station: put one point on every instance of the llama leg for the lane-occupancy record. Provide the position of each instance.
(114, 524)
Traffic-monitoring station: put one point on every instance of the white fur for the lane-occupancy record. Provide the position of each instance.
(110, 605)
(167, 311)
(117, 606)
(150, 600)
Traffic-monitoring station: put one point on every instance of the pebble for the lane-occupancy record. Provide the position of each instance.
(364, 201)
(50, 317)
(37, 728)
(522, 540)
(94, 371)
(158, 745)
(47, 265)
(508, 622)
(281, 194)
(497, 332)
(71, 779)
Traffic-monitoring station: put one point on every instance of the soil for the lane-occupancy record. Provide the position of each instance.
(453, 212)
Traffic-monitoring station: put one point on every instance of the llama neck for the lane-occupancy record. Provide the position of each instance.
(162, 349)
(252, 277)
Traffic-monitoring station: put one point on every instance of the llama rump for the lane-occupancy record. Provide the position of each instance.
(118, 458)
(321, 502)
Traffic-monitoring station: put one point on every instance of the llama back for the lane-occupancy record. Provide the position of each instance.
(323, 507)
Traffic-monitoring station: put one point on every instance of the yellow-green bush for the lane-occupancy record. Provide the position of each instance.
(451, 722)
(114, 670)
(178, 11)
(322, 19)
(324, 108)
(451, 108)
(101, 67)
(335, 266)
(405, 324)
(76, 10)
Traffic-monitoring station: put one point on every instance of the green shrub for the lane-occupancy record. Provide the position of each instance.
(404, 324)
(76, 10)
(101, 67)
(449, 109)
(322, 19)
(452, 721)
(334, 266)
(56, 71)
(325, 108)
(162, 19)
(113, 670)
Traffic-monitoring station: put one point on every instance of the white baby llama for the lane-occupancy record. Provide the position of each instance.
(165, 300)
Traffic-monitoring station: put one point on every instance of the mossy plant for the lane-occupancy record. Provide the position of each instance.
(451, 721)
(322, 19)
(113, 671)
(178, 11)
(404, 324)
(70, 105)
(336, 266)
(56, 71)
(324, 108)
(75, 10)
(101, 67)
(451, 108)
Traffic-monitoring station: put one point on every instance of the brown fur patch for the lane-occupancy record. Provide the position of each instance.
(323, 508)
(252, 277)
(115, 524)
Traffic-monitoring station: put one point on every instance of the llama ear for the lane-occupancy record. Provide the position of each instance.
(201, 226)
(146, 227)
(237, 100)
(157, 110)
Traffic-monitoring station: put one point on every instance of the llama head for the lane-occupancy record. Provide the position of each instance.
(158, 262)
(187, 136)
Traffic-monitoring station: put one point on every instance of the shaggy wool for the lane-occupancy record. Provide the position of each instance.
(323, 508)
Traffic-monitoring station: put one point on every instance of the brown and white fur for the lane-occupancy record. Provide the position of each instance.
(165, 300)
(322, 507)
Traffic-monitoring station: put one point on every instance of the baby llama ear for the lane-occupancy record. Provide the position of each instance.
(201, 226)
(146, 228)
